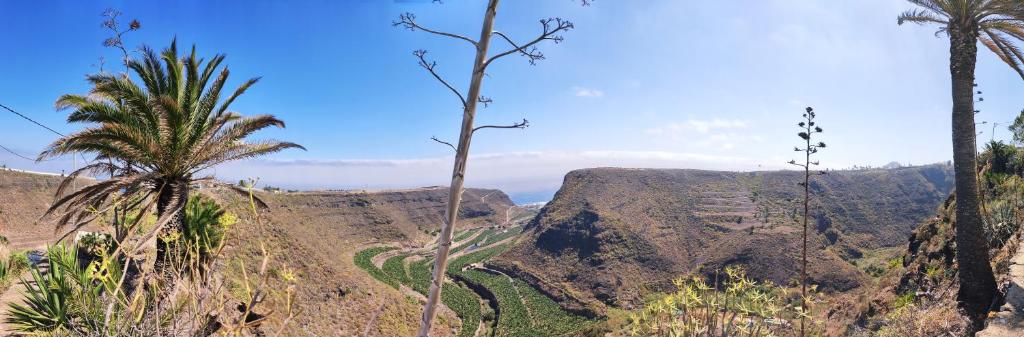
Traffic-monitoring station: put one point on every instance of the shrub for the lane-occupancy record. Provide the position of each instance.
(206, 222)
(18, 262)
(743, 308)
(93, 297)
(95, 244)
(904, 300)
(1006, 200)
(925, 321)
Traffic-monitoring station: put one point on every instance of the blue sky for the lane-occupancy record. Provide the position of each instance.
(653, 83)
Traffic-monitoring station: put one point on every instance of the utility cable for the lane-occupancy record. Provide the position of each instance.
(16, 154)
(39, 124)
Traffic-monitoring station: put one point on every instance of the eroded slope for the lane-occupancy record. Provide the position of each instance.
(612, 235)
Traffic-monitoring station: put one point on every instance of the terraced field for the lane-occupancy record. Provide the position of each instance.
(519, 309)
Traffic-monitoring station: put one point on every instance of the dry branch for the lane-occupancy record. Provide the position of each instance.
(443, 142)
(518, 125)
(429, 66)
(529, 50)
(408, 21)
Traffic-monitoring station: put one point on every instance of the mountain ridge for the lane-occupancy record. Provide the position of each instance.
(617, 234)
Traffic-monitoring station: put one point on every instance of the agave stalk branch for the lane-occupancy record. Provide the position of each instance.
(458, 171)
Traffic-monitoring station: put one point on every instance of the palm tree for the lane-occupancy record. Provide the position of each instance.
(996, 24)
(161, 135)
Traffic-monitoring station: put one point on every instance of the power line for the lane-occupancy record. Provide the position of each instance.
(15, 153)
(39, 124)
(31, 120)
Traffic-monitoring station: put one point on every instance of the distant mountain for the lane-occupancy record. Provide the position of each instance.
(390, 215)
(611, 235)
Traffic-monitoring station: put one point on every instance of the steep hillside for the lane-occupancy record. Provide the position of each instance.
(24, 197)
(314, 234)
(393, 215)
(612, 235)
(917, 290)
(318, 233)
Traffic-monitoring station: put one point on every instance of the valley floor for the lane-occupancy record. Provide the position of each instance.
(488, 302)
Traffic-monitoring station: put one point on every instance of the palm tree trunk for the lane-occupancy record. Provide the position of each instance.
(977, 283)
(165, 203)
(458, 171)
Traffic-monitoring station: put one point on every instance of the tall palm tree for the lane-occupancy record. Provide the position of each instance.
(170, 128)
(996, 24)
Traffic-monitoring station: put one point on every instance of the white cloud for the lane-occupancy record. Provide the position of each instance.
(587, 92)
(715, 133)
(729, 140)
(698, 126)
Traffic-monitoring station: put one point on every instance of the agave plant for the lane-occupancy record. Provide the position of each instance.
(51, 296)
(159, 132)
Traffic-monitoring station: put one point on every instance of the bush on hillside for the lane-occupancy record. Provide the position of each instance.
(89, 296)
(736, 307)
(915, 320)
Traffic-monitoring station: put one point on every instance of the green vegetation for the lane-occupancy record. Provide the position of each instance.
(82, 291)
(463, 301)
(480, 238)
(202, 236)
(134, 120)
(457, 264)
(51, 300)
(498, 236)
(514, 319)
(419, 273)
(877, 262)
(364, 260)
(465, 234)
(547, 315)
(395, 268)
(996, 24)
(12, 267)
(903, 300)
(744, 308)
(488, 237)
(466, 305)
(524, 310)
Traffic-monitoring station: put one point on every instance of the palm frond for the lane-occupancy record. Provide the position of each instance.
(920, 17)
(169, 125)
(1004, 49)
(238, 92)
(938, 7)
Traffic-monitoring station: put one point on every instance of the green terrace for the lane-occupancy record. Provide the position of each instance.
(519, 309)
